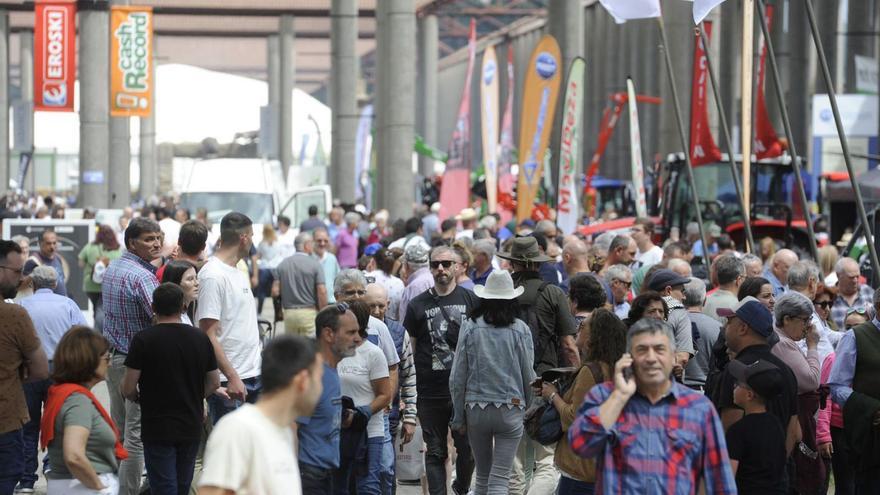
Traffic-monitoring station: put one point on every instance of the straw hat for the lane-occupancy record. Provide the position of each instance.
(499, 285)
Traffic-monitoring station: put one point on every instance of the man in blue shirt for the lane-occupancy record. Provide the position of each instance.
(777, 272)
(337, 336)
(53, 315)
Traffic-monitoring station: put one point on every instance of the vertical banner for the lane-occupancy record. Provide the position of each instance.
(131, 60)
(568, 207)
(455, 191)
(489, 119)
(54, 55)
(506, 150)
(767, 144)
(538, 106)
(703, 148)
(635, 147)
(362, 152)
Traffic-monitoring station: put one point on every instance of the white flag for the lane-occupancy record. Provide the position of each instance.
(702, 9)
(624, 10)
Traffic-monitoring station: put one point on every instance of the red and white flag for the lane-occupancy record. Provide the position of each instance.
(625, 10)
(703, 147)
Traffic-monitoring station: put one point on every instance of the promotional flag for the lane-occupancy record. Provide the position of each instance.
(702, 148)
(456, 188)
(635, 147)
(702, 9)
(538, 106)
(506, 150)
(131, 60)
(624, 10)
(489, 119)
(362, 151)
(54, 55)
(767, 144)
(568, 207)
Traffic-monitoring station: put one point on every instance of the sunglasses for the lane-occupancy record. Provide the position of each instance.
(623, 282)
(444, 263)
(822, 304)
(860, 311)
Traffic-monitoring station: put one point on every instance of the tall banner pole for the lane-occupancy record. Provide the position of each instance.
(568, 207)
(725, 129)
(684, 142)
(635, 148)
(506, 181)
(786, 122)
(538, 107)
(489, 120)
(748, 35)
(844, 143)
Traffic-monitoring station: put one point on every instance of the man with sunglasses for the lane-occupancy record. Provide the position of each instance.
(433, 319)
(619, 279)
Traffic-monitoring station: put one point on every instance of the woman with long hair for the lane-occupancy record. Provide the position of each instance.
(604, 344)
(822, 302)
(183, 273)
(83, 442)
(94, 258)
(759, 288)
(489, 381)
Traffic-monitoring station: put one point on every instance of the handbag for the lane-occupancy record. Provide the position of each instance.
(542, 421)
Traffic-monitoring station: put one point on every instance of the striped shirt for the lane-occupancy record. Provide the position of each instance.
(127, 291)
(864, 300)
(662, 448)
(406, 371)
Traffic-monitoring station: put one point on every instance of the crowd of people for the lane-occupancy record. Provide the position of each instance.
(534, 362)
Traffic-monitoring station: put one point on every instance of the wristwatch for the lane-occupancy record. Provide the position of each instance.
(552, 396)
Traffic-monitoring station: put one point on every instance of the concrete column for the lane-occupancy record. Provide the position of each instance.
(273, 58)
(288, 78)
(680, 34)
(147, 152)
(4, 100)
(566, 24)
(790, 33)
(26, 70)
(728, 65)
(859, 39)
(94, 103)
(379, 97)
(343, 97)
(120, 154)
(827, 14)
(427, 102)
(398, 105)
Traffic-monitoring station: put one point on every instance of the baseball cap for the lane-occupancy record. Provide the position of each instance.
(417, 252)
(761, 376)
(753, 313)
(371, 249)
(664, 278)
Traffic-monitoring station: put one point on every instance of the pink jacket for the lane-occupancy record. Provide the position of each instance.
(831, 415)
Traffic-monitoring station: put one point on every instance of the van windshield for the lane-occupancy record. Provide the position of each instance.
(257, 206)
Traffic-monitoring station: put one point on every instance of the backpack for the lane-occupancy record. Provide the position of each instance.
(542, 422)
(528, 315)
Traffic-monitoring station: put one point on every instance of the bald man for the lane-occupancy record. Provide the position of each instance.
(777, 272)
(574, 258)
(680, 267)
(852, 294)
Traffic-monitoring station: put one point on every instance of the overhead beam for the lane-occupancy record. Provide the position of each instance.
(200, 11)
(186, 33)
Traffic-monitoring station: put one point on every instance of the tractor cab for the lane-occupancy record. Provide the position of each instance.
(775, 207)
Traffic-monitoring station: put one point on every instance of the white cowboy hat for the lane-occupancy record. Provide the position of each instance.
(499, 285)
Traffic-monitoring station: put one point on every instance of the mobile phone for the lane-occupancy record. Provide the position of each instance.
(628, 373)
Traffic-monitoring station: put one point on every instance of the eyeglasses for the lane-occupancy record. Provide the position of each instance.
(17, 272)
(444, 263)
(822, 304)
(623, 282)
(354, 292)
(859, 311)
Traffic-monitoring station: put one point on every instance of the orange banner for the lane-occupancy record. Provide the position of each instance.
(540, 91)
(131, 61)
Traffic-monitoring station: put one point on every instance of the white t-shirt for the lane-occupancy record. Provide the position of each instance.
(378, 328)
(250, 455)
(650, 257)
(356, 374)
(225, 295)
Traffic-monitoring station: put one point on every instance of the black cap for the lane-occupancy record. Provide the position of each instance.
(763, 377)
(664, 278)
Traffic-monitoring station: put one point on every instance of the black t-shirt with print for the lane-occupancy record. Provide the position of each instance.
(432, 350)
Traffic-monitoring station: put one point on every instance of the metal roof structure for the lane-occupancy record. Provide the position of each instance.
(230, 35)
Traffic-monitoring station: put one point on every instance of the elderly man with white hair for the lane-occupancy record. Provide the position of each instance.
(619, 279)
(52, 315)
(754, 265)
(803, 278)
(484, 252)
(852, 295)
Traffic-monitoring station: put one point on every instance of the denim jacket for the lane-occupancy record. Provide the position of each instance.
(492, 365)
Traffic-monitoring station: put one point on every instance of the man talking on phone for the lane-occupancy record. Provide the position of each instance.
(648, 433)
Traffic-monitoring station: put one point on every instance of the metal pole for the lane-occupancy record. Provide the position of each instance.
(684, 143)
(844, 143)
(725, 130)
(786, 122)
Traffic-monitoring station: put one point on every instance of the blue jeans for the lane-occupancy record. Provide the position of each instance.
(371, 482)
(568, 486)
(35, 394)
(170, 467)
(220, 407)
(11, 461)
